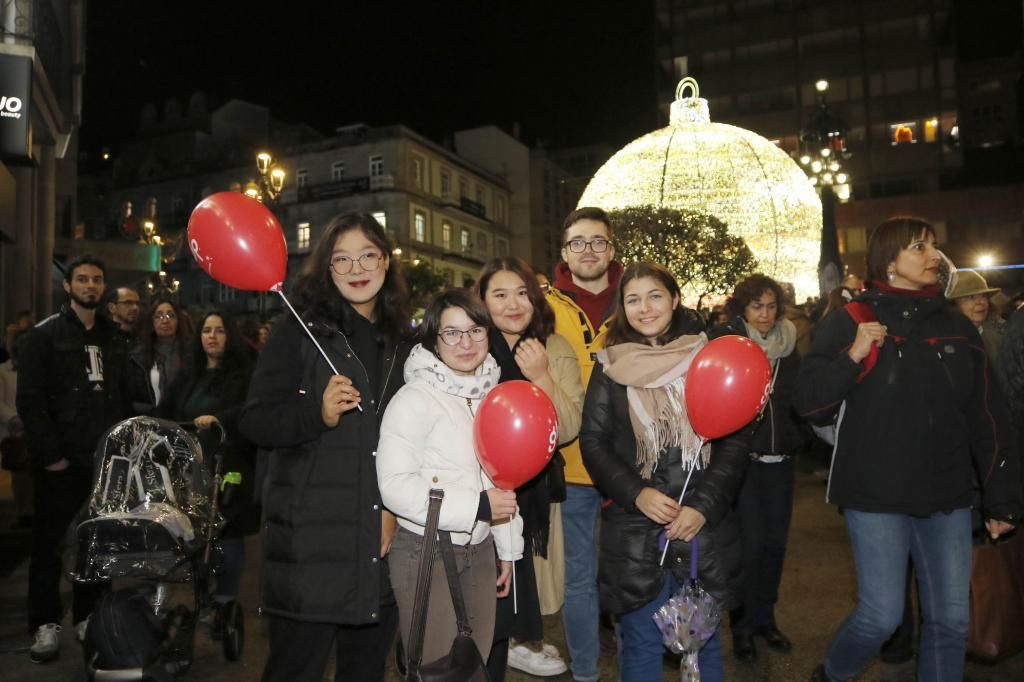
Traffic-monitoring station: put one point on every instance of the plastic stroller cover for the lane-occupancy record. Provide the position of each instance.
(150, 507)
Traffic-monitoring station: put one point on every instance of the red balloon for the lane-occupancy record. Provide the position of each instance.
(515, 431)
(726, 386)
(239, 242)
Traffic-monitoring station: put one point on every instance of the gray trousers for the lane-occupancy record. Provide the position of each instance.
(477, 575)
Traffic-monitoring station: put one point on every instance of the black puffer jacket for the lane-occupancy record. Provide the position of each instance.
(321, 502)
(912, 425)
(71, 387)
(775, 431)
(629, 574)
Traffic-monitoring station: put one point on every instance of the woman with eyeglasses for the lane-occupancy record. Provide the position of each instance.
(160, 354)
(427, 442)
(524, 344)
(326, 534)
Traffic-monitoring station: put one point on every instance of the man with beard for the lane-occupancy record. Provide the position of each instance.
(123, 308)
(69, 372)
(581, 298)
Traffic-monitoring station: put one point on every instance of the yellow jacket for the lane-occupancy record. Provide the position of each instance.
(572, 324)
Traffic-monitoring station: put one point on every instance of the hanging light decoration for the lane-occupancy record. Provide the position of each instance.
(730, 173)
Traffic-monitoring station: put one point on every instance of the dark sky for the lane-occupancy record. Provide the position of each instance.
(570, 72)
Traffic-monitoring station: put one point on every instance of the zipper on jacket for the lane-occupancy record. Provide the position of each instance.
(387, 378)
(366, 374)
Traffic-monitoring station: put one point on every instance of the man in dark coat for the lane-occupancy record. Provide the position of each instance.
(69, 393)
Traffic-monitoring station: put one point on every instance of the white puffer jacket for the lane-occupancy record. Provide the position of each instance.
(426, 441)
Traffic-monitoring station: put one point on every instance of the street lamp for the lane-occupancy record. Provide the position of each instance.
(823, 150)
(161, 284)
(986, 260)
(270, 181)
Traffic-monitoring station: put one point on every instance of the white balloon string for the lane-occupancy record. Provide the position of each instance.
(515, 594)
(311, 337)
(693, 465)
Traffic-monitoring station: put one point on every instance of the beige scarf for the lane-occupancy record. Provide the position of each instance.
(655, 378)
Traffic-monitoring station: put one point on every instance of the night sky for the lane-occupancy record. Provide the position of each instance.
(569, 72)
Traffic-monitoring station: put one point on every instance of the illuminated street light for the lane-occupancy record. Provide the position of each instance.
(986, 260)
(821, 85)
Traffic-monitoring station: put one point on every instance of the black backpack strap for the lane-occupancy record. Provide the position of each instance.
(448, 555)
(422, 600)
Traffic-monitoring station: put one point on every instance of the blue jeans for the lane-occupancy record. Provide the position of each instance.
(940, 547)
(580, 613)
(641, 649)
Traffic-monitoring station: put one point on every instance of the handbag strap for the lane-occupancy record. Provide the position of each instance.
(422, 600)
(448, 555)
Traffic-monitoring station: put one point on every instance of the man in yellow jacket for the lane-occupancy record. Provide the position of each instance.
(582, 296)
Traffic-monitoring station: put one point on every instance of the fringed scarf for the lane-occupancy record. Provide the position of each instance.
(655, 378)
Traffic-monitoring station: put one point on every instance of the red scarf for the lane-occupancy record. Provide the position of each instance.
(925, 292)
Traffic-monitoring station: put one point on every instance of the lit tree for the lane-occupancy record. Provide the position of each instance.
(423, 282)
(697, 248)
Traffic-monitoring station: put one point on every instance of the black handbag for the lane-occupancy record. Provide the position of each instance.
(463, 662)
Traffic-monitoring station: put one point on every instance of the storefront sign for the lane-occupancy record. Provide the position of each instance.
(15, 101)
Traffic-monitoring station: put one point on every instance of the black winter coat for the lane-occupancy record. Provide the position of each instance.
(775, 431)
(220, 392)
(911, 427)
(628, 574)
(71, 387)
(321, 502)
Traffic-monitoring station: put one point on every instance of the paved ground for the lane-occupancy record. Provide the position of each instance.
(817, 592)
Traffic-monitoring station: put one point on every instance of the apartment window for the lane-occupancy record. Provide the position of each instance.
(500, 247)
(419, 226)
(376, 165)
(446, 235)
(501, 209)
(931, 130)
(463, 188)
(464, 240)
(446, 184)
(382, 218)
(301, 177)
(337, 171)
(417, 172)
(225, 293)
(481, 195)
(903, 133)
(302, 236)
(481, 243)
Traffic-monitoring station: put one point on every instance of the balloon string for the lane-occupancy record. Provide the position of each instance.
(693, 465)
(515, 594)
(311, 337)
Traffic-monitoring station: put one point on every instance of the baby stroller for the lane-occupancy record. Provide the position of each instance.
(152, 520)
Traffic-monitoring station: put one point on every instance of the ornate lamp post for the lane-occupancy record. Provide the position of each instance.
(267, 190)
(823, 142)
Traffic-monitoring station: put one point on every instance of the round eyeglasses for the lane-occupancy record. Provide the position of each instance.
(579, 245)
(453, 337)
(342, 265)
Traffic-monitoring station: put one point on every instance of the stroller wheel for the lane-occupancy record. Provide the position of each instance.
(234, 630)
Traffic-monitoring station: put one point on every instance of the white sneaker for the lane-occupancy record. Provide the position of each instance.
(81, 628)
(538, 663)
(46, 646)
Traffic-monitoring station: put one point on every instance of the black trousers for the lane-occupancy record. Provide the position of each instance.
(764, 508)
(58, 497)
(525, 626)
(299, 651)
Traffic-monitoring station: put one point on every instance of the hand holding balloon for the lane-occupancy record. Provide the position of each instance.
(656, 505)
(339, 397)
(503, 502)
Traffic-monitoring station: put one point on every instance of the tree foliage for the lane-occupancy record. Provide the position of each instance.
(696, 247)
(424, 282)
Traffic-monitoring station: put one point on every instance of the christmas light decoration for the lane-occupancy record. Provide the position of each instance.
(730, 173)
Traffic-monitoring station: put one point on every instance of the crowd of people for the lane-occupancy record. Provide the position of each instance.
(920, 390)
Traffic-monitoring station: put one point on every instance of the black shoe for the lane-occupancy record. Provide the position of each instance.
(819, 674)
(743, 648)
(774, 638)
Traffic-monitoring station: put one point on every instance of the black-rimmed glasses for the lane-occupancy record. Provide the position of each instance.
(453, 337)
(342, 265)
(579, 245)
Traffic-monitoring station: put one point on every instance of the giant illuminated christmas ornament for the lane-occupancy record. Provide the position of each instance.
(727, 172)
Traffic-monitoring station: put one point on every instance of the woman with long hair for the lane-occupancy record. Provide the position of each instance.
(765, 502)
(160, 353)
(639, 448)
(523, 342)
(326, 535)
(427, 442)
(209, 392)
(920, 428)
